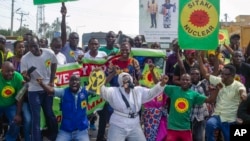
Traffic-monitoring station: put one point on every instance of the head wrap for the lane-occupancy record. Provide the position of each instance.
(124, 76)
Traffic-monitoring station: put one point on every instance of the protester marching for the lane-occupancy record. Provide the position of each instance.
(127, 89)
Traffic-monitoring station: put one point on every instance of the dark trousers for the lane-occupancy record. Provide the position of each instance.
(153, 20)
(104, 116)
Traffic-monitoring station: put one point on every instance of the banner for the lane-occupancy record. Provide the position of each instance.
(95, 103)
(223, 37)
(147, 78)
(198, 26)
(39, 2)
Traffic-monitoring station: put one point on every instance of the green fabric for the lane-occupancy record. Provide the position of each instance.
(148, 52)
(9, 89)
(37, 2)
(63, 74)
(109, 51)
(223, 37)
(198, 26)
(181, 105)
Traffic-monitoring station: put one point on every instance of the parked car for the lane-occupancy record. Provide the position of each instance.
(10, 44)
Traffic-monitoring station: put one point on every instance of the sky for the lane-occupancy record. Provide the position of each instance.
(98, 15)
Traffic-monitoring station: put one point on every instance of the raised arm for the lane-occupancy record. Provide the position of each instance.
(151, 69)
(231, 51)
(63, 24)
(203, 69)
(180, 62)
(216, 63)
(214, 91)
(149, 94)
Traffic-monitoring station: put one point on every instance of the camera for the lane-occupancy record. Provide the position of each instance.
(132, 115)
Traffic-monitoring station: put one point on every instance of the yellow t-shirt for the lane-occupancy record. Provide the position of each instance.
(228, 99)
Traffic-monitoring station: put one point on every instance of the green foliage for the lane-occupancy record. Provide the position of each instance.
(5, 32)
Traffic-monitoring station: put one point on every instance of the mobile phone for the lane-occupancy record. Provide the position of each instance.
(30, 70)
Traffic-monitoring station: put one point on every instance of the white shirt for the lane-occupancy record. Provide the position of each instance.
(100, 54)
(61, 59)
(113, 96)
(43, 67)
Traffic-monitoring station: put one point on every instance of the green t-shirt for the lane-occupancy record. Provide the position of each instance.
(109, 51)
(181, 105)
(9, 89)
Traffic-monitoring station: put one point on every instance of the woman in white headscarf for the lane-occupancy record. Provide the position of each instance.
(126, 100)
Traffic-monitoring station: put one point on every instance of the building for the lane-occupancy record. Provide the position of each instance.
(241, 26)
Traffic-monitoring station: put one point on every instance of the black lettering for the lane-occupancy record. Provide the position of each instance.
(211, 28)
(208, 5)
(203, 33)
(202, 3)
(190, 5)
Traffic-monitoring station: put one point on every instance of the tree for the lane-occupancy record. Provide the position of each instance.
(21, 31)
(5, 32)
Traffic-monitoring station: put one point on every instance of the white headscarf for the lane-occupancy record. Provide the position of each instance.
(124, 76)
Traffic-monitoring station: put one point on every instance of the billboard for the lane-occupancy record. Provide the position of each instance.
(158, 20)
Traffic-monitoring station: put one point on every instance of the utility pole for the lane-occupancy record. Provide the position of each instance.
(12, 17)
(226, 17)
(21, 20)
(40, 19)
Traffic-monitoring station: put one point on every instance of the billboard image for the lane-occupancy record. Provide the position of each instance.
(158, 20)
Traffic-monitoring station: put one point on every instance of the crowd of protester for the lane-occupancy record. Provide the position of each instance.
(199, 96)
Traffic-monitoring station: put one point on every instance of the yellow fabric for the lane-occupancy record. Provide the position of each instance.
(9, 55)
(228, 99)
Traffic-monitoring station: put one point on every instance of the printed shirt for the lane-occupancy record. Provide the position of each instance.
(43, 67)
(199, 112)
(228, 99)
(9, 89)
(130, 66)
(71, 55)
(181, 104)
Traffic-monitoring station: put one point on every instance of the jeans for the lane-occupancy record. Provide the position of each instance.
(38, 99)
(153, 20)
(198, 130)
(26, 120)
(116, 133)
(214, 123)
(13, 130)
(75, 135)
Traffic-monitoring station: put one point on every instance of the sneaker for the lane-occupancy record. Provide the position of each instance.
(92, 127)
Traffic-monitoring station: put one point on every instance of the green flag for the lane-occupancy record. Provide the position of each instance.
(38, 2)
(198, 26)
(223, 37)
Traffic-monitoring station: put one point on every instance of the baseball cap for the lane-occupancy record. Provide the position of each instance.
(2, 39)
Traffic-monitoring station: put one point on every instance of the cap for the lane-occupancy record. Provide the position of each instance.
(189, 51)
(235, 36)
(2, 38)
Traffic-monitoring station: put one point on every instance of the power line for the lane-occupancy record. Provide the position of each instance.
(21, 20)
